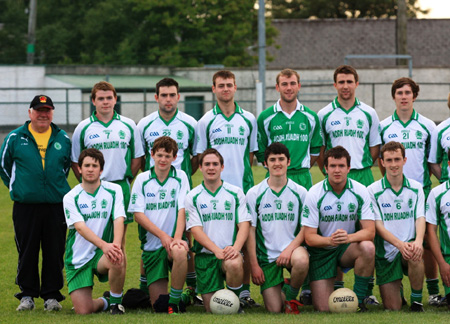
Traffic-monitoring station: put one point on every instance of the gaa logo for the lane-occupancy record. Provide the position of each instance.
(154, 134)
(150, 194)
(328, 208)
(386, 205)
(392, 136)
(277, 127)
(203, 206)
(217, 130)
(94, 136)
(84, 206)
(335, 123)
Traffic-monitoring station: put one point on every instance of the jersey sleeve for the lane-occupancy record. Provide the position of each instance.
(420, 210)
(374, 137)
(367, 209)
(430, 210)
(376, 210)
(192, 215)
(436, 150)
(137, 139)
(137, 201)
(242, 213)
(71, 211)
(76, 149)
(262, 138)
(201, 137)
(310, 212)
(184, 189)
(254, 135)
(119, 205)
(316, 136)
(251, 206)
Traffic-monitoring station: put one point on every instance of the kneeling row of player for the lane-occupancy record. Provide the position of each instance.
(338, 215)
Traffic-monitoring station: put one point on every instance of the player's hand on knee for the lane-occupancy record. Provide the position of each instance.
(230, 253)
(179, 244)
(257, 275)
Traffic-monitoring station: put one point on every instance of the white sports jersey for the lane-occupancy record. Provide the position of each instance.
(440, 143)
(356, 129)
(438, 213)
(180, 128)
(160, 202)
(276, 217)
(328, 212)
(218, 213)
(235, 138)
(415, 136)
(118, 140)
(398, 211)
(98, 211)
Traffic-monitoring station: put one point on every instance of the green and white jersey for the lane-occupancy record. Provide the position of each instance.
(300, 132)
(398, 211)
(438, 213)
(327, 211)
(180, 128)
(415, 135)
(218, 213)
(118, 140)
(276, 217)
(160, 202)
(440, 143)
(98, 211)
(356, 129)
(235, 138)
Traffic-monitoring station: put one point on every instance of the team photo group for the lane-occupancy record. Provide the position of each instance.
(293, 238)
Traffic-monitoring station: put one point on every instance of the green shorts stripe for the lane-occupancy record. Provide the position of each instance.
(126, 199)
(363, 176)
(273, 275)
(323, 262)
(447, 289)
(84, 276)
(390, 271)
(210, 276)
(156, 265)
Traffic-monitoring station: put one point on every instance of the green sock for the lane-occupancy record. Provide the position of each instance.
(291, 292)
(236, 290)
(338, 284)
(360, 287)
(433, 286)
(175, 296)
(370, 287)
(115, 298)
(191, 280)
(416, 295)
(143, 284)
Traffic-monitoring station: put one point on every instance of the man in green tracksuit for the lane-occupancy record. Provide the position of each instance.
(35, 162)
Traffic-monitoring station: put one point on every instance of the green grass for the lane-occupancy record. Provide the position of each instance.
(8, 304)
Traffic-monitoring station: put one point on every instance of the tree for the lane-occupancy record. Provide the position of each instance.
(13, 32)
(341, 8)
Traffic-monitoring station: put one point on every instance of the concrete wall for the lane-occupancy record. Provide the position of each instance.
(323, 43)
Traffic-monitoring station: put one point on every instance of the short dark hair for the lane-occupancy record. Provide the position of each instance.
(288, 73)
(405, 81)
(276, 148)
(103, 86)
(166, 82)
(337, 152)
(223, 74)
(448, 101)
(212, 151)
(392, 147)
(166, 143)
(93, 153)
(345, 69)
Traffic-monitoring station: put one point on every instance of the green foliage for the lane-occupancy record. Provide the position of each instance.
(341, 8)
(13, 32)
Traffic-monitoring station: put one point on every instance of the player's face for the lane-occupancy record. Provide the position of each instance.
(404, 98)
(90, 170)
(393, 162)
(168, 99)
(288, 87)
(211, 168)
(163, 160)
(40, 118)
(277, 165)
(337, 171)
(224, 90)
(104, 102)
(346, 86)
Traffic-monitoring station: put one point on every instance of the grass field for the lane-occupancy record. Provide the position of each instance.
(8, 304)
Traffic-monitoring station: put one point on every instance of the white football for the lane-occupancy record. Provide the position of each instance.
(224, 302)
(343, 300)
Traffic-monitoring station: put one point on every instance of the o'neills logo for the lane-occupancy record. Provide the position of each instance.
(343, 299)
(223, 301)
(43, 99)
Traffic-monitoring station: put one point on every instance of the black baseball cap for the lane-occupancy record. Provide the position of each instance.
(42, 101)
